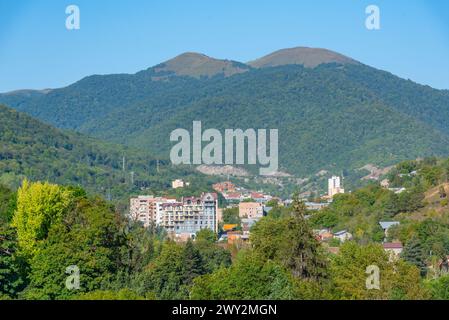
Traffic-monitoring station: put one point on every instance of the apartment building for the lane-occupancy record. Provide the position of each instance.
(250, 210)
(178, 218)
(334, 187)
(148, 209)
(178, 183)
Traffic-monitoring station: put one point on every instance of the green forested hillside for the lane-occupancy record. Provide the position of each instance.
(329, 123)
(29, 148)
(333, 116)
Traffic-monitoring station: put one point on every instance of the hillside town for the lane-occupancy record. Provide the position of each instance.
(183, 218)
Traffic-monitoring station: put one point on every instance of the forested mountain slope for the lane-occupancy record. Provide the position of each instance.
(332, 112)
(29, 148)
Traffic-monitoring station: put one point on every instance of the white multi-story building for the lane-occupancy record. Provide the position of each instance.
(188, 216)
(178, 183)
(148, 209)
(334, 186)
(140, 209)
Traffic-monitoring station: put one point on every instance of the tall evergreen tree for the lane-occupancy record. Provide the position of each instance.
(391, 205)
(302, 252)
(414, 254)
(11, 280)
(193, 263)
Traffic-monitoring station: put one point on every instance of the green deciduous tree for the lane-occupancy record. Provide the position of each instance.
(165, 275)
(39, 205)
(439, 288)
(88, 237)
(250, 277)
(349, 275)
(206, 235)
(123, 294)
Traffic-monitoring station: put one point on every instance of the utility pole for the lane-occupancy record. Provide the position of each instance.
(123, 164)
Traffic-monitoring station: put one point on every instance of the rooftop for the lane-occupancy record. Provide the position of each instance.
(394, 245)
(388, 224)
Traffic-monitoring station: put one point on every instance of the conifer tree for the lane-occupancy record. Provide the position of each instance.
(414, 254)
(11, 280)
(303, 256)
(193, 263)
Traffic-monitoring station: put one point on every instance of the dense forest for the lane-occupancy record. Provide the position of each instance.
(48, 231)
(31, 149)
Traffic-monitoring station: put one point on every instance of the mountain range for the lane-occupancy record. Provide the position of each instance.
(333, 112)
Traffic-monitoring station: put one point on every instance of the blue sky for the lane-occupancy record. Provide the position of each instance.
(37, 51)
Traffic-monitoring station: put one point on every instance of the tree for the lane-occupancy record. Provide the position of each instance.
(414, 254)
(290, 241)
(348, 274)
(192, 262)
(411, 200)
(302, 253)
(439, 288)
(324, 218)
(124, 294)
(7, 204)
(249, 278)
(88, 237)
(206, 235)
(433, 236)
(165, 275)
(138, 249)
(391, 207)
(231, 216)
(213, 256)
(39, 205)
(11, 274)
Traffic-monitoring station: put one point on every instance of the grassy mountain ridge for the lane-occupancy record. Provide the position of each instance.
(308, 57)
(198, 65)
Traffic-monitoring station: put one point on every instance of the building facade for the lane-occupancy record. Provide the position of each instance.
(334, 186)
(178, 218)
(250, 210)
(178, 183)
(148, 209)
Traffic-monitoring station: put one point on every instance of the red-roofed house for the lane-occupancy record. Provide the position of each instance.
(394, 249)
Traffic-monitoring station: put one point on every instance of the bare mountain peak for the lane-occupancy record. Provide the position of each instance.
(192, 56)
(199, 65)
(308, 57)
